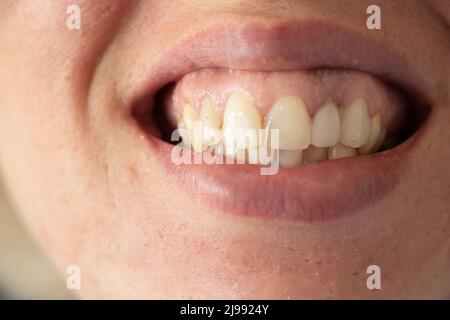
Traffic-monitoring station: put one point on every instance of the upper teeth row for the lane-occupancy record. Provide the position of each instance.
(330, 127)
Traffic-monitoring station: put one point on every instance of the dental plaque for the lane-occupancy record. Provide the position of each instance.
(317, 115)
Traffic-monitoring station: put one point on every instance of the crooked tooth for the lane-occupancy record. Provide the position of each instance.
(375, 132)
(184, 134)
(290, 116)
(326, 126)
(355, 128)
(211, 122)
(314, 154)
(241, 122)
(340, 151)
(193, 127)
(290, 158)
(190, 116)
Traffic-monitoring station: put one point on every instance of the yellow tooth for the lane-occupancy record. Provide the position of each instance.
(211, 122)
(314, 154)
(355, 128)
(290, 116)
(190, 116)
(290, 158)
(340, 151)
(193, 127)
(326, 127)
(241, 122)
(375, 131)
(186, 140)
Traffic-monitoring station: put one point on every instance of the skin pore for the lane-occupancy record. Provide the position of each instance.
(82, 177)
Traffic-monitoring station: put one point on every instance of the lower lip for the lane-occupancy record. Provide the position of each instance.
(312, 194)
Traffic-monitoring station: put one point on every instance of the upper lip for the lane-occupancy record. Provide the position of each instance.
(312, 195)
(283, 46)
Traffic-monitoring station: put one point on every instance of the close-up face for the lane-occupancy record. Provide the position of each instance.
(232, 149)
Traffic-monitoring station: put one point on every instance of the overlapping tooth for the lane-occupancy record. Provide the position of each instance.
(355, 125)
(211, 122)
(333, 133)
(374, 137)
(241, 122)
(290, 116)
(184, 134)
(326, 126)
(340, 151)
(290, 158)
(193, 128)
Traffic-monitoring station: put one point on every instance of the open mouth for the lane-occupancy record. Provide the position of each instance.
(345, 109)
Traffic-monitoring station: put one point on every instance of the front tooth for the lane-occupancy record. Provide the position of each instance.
(211, 122)
(340, 151)
(241, 122)
(290, 116)
(375, 131)
(326, 127)
(355, 129)
(290, 158)
(314, 154)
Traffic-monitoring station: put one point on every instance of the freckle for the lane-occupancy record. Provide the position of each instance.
(133, 174)
(306, 260)
(355, 273)
(319, 262)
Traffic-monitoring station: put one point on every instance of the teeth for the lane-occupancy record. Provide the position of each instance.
(326, 127)
(333, 133)
(290, 116)
(314, 154)
(375, 131)
(290, 158)
(184, 135)
(355, 128)
(241, 122)
(211, 122)
(191, 123)
(340, 151)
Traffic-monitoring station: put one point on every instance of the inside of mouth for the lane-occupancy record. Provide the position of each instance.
(297, 117)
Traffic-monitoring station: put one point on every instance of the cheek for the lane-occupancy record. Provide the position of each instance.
(43, 133)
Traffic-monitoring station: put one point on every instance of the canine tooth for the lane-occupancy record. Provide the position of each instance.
(290, 158)
(314, 154)
(290, 116)
(326, 126)
(211, 122)
(340, 151)
(375, 130)
(190, 116)
(241, 122)
(355, 128)
(184, 134)
(193, 127)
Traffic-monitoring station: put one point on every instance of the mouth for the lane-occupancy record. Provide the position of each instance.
(347, 111)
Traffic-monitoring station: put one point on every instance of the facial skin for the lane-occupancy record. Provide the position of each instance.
(82, 177)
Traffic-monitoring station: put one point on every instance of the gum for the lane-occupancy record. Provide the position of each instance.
(315, 87)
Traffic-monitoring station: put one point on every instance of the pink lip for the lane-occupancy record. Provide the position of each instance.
(313, 193)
